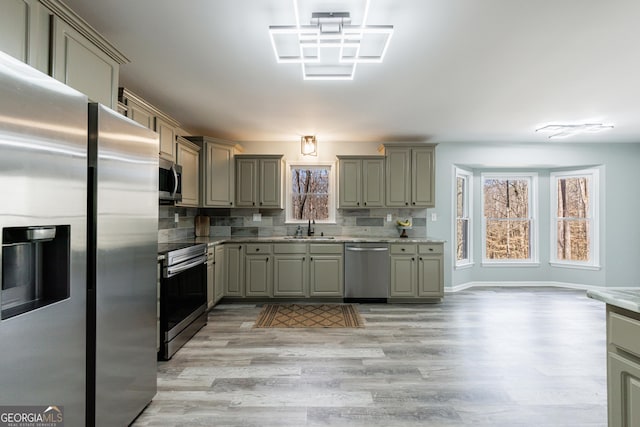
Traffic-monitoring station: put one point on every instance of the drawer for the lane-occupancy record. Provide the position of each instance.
(624, 332)
(400, 249)
(257, 248)
(430, 249)
(320, 248)
(290, 248)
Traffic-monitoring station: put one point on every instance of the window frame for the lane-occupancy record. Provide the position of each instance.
(533, 259)
(332, 193)
(594, 218)
(467, 175)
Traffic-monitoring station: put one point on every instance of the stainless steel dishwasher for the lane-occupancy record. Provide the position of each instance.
(366, 272)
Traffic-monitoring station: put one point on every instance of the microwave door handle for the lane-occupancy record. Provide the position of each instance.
(175, 180)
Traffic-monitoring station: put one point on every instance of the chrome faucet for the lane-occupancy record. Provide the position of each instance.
(310, 229)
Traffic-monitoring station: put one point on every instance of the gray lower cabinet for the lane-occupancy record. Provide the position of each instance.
(623, 367)
(211, 278)
(258, 276)
(290, 270)
(416, 271)
(326, 272)
(219, 273)
(234, 270)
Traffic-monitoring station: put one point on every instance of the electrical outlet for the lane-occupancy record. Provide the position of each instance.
(176, 217)
(389, 218)
(434, 217)
(257, 217)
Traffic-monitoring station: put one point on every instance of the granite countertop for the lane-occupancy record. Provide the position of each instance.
(627, 299)
(304, 239)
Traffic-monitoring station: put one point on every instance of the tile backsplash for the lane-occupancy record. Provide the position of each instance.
(239, 223)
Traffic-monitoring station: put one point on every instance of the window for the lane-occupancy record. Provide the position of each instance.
(310, 194)
(574, 202)
(463, 217)
(509, 218)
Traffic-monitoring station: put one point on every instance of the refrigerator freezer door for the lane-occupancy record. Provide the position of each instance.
(127, 250)
(43, 171)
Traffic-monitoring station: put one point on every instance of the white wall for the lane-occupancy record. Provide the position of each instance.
(620, 206)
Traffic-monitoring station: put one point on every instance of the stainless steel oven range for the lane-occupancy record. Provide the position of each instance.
(183, 296)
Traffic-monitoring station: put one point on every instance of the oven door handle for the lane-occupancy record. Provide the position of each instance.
(173, 270)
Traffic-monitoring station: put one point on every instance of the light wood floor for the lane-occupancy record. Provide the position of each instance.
(484, 357)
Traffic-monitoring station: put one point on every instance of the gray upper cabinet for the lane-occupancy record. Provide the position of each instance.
(137, 109)
(361, 181)
(188, 156)
(259, 181)
(410, 176)
(166, 129)
(217, 171)
(24, 32)
(50, 37)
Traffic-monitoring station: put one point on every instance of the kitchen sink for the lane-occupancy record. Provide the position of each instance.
(309, 238)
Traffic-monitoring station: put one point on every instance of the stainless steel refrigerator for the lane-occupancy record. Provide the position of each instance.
(78, 220)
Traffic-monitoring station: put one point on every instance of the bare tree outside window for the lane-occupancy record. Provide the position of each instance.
(573, 219)
(508, 218)
(310, 193)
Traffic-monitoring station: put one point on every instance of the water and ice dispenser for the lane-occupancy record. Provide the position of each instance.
(35, 268)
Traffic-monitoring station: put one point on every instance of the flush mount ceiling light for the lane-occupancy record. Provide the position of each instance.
(309, 145)
(565, 131)
(330, 47)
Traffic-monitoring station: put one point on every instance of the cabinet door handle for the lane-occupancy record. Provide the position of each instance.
(406, 203)
(365, 203)
(267, 259)
(230, 203)
(311, 259)
(253, 203)
(303, 258)
(402, 249)
(420, 258)
(358, 203)
(257, 249)
(414, 203)
(260, 203)
(413, 259)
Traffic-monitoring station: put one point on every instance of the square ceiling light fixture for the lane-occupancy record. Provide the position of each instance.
(565, 131)
(330, 47)
(309, 145)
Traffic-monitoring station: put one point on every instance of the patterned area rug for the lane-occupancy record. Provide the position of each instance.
(309, 316)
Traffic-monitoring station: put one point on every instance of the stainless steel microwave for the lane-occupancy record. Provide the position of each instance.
(170, 182)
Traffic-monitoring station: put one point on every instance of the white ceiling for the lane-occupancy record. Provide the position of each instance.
(456, 70)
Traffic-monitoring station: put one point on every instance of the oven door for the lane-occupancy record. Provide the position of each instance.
(183, 302)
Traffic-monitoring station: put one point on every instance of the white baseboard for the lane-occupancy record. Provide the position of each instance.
(463, 286)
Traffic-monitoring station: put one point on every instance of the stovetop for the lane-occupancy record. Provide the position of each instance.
(164, 248)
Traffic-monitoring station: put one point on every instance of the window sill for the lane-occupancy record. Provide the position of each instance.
(575, 266)
(464, 266)
(516, 264)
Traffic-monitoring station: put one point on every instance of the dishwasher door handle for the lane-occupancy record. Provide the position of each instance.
(367, 249)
